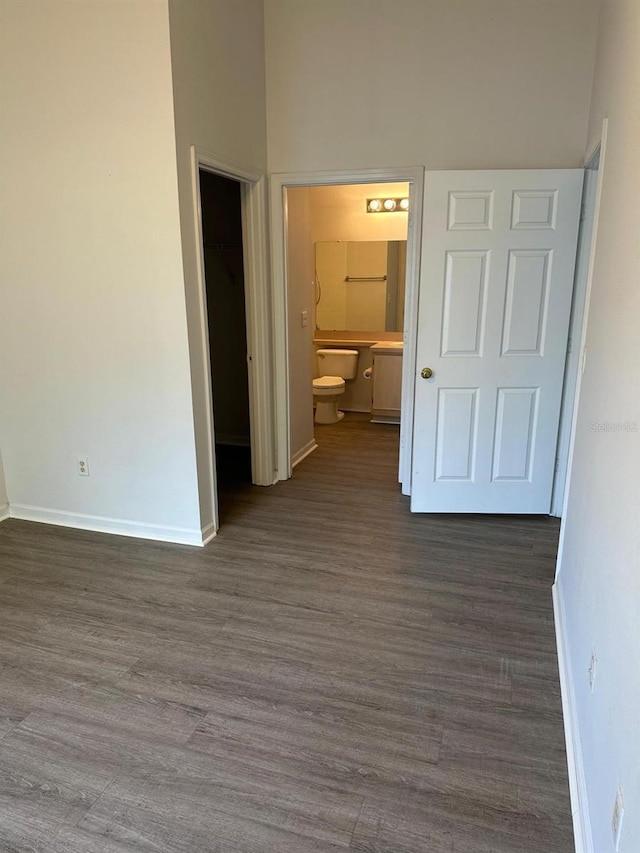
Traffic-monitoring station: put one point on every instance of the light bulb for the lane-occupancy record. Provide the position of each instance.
(404, 203)
(389, 204)
(374, 204)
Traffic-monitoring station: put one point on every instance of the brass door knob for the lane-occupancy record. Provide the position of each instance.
(426, 373)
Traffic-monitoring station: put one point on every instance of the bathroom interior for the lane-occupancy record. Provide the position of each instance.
(346, 263)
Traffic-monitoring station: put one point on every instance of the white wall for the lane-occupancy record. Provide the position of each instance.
(599, 572)
(217, 52)
(462, 84)
(93, 332)
(300, 276)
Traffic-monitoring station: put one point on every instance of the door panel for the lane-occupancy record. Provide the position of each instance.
(464, 303)
(527, 303)
(515, 430)
(495, 295)
(456, 433)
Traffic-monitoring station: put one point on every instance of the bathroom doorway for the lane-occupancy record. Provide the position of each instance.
(346, 262)
(222, 242)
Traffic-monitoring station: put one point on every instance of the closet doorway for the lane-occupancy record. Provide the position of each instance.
(222, 243)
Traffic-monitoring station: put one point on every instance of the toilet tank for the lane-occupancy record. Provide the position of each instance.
(338, 362)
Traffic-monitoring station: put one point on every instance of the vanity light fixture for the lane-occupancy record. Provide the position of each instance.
(387, 205)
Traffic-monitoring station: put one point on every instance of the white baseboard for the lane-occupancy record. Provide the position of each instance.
(309, 447)
(208, 533)
(363, 410)
(100, 524)
(4, 512)
(583, 838)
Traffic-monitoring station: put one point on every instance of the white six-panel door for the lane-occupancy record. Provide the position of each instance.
(495, 296)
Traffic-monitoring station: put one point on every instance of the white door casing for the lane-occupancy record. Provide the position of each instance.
(254, 238)
(498, 257)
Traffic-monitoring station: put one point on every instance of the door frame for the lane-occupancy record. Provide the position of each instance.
(598, 154)
(279, 183)
(256, 277)
(586, 236)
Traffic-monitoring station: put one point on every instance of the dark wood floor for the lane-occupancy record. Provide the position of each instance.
(331, 673)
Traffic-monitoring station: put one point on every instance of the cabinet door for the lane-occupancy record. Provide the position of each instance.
(387, 387)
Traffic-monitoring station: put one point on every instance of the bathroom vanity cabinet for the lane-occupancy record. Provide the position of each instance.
(387, 382)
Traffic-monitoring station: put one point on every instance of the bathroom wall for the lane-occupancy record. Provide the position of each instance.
(340, 213)
(402, 280)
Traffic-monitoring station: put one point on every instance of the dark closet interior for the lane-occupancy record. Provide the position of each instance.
(226, 312)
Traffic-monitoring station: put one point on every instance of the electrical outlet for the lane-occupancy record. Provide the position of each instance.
(616, 820)
(592, 669)
(304, 318)
(83, 466)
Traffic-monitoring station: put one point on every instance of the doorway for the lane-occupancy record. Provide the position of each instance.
(290, 317)
(251, 184)
(346, 261)
(222, 243)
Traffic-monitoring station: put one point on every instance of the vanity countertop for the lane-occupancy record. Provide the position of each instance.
(390, 347)
(355, 339)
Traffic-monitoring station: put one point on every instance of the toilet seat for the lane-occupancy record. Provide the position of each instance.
(328, 383)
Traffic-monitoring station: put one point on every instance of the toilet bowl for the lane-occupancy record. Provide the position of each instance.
(326, 393)
(335, 366)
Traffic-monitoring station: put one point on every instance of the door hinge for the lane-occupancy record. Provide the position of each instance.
(569, 344)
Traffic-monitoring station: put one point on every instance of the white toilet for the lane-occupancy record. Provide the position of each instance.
(335, 366)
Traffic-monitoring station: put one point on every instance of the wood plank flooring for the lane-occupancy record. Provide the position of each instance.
(330, 674)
